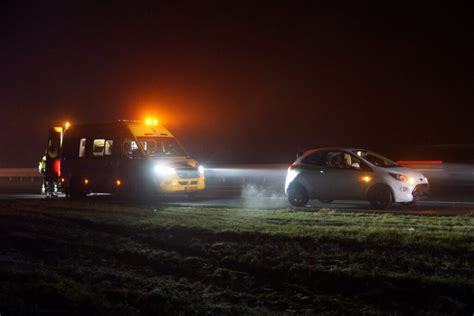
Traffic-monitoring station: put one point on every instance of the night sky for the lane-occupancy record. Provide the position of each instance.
(245, 84)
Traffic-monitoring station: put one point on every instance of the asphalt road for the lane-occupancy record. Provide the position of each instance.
(276, 202)
(260, 187)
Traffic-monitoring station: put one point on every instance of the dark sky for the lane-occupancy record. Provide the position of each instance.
(243, 84)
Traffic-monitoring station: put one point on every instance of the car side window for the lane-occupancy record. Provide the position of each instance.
(344, 160)
(356, 161)
(314, 159)
(337, 159)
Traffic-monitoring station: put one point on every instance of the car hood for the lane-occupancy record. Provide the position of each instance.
(405, 171)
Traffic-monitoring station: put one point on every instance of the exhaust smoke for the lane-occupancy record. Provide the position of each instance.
(256, 196)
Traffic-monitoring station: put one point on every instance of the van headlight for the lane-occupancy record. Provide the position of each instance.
(164, 170)
(201, 169)
(402, 178)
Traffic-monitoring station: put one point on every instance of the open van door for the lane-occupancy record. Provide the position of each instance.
(52, 168)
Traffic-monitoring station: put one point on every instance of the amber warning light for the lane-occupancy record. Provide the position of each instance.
(151, 121)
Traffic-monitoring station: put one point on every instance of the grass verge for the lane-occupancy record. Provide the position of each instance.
(102, 256)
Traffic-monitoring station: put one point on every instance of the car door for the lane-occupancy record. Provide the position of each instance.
(312, 166)
(342, 176)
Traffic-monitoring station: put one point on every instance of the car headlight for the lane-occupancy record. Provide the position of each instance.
(402, 178)
(164, 170)
(201, 169)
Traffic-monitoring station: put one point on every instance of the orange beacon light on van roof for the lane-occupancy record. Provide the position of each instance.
(150, 121)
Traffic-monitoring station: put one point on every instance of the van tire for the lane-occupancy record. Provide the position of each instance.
(380, 197)
(76, 189)
(297, 195)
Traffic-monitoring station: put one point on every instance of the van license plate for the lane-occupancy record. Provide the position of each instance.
(191, 188)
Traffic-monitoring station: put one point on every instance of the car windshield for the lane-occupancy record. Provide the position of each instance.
(161, 147)
(375, 159)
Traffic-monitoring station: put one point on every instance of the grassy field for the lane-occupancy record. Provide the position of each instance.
(101, 257)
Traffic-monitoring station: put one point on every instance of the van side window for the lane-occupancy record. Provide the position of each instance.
(98, 147)
(82, 147)
(108, 147)
(130, 148)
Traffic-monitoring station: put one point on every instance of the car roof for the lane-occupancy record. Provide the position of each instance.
(309, 151)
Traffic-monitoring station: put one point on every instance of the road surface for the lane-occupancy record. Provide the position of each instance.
(276, 202)
(261, 186)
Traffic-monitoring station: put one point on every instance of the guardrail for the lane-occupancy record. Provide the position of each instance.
(20, 180)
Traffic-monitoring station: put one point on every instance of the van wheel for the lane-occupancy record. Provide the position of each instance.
(380, 197)
(76, 189)
(297, 195)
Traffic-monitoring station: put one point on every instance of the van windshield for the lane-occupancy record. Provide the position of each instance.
(161, 147)
(375, 159)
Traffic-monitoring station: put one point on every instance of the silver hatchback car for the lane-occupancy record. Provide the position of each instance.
(331, 174)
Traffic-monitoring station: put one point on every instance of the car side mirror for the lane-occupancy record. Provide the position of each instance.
(355, 165)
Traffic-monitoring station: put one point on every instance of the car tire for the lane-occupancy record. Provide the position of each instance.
(380, 197)
(297, 195)
(325, 201)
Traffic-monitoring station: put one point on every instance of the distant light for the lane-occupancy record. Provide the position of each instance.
(67, 125)
(86, 181)
(118, 182)
(366, 179)
(155, 122)
(148, 121)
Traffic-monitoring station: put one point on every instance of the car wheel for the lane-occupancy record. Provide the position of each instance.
(380, 197)
(325, 201)
(297, 195)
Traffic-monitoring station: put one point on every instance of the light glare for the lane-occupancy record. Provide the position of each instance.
(164, 170)
(366, 179)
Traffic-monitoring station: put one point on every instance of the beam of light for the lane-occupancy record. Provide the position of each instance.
(256, 187)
